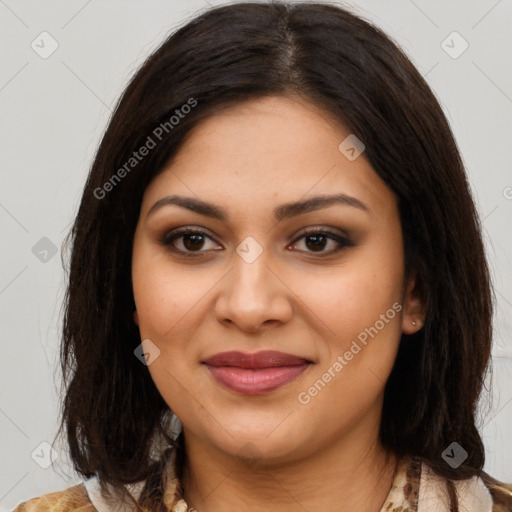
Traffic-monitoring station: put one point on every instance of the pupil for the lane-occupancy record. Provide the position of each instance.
(317, 243)
(197, 241)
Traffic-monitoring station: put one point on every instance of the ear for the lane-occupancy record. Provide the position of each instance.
(136, 317)
(413, 317)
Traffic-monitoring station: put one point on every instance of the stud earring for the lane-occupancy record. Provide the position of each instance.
(414, 323)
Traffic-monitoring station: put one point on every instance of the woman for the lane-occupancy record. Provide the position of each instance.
(278, 295)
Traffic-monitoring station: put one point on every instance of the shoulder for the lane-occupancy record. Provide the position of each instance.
(71, 499)
(482, 493)
(84, 497)
(501, 493)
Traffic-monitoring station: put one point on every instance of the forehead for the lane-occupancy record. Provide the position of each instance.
(272, 128)
(274, 148)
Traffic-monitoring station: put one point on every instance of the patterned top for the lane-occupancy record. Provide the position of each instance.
(415, 488)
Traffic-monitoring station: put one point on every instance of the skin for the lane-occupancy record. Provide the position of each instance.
(249, 452)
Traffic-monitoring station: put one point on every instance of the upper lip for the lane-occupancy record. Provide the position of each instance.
(263, 359)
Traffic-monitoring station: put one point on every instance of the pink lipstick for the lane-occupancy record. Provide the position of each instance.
(256, 373)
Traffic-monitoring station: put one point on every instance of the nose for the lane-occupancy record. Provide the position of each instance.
(253, 296)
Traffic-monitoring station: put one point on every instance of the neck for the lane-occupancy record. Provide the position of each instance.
(349, 474)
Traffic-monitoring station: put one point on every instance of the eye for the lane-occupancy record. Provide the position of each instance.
(191, 241)
(316, 240)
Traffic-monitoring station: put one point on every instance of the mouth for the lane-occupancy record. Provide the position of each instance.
(256, 373)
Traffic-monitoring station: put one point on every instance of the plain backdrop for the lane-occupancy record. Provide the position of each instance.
(54, 109)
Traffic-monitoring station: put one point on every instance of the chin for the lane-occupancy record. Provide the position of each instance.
(256, 447)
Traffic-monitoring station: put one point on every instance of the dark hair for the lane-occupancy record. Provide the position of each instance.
(112, 410)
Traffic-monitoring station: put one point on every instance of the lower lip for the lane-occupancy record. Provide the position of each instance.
(255, 381)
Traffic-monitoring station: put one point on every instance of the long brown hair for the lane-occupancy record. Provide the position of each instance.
(112, 411)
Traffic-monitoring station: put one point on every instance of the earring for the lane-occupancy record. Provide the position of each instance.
(414, 323)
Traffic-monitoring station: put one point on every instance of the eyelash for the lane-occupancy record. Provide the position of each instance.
(169, 238)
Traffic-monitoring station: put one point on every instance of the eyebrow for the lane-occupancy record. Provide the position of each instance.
(285, 211)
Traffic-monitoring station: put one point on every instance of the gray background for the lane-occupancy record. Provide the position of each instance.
(55, 109)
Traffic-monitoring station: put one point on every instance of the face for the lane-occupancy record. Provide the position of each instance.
(267, 268)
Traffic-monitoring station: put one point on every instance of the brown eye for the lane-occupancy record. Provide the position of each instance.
(317, 240)
(191, 241)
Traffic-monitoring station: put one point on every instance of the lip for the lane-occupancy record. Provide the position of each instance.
(255, 373)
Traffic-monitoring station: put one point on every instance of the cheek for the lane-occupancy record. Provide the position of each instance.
(168, 306)
(164, 293)
(353, 296)
(172, 304)
(365, 321)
